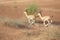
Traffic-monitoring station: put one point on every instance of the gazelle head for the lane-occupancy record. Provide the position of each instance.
(39, 13)
(25, 11)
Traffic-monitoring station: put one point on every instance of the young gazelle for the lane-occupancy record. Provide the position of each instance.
(46, 19)
(30, 18)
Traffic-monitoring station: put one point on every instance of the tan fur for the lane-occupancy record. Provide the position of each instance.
(45, 18)
(30, 18)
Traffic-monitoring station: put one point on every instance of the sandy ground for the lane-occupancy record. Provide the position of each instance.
(35, 32)
(14, 10)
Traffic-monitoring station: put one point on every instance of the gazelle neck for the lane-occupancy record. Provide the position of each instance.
(40, 15)
(25, 13)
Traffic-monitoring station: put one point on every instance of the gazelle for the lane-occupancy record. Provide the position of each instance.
(30, 18)
(46, 19)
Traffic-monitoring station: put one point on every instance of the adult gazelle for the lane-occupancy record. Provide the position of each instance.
(46, 19)
(30, 18)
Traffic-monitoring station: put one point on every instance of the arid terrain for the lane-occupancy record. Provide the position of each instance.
(13, 24)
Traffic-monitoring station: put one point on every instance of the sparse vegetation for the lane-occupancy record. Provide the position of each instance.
(11, 22)
(31, 9)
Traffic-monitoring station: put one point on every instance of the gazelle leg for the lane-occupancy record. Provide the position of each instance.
(44, 22)
(51, 21)
(29, 21)
(48, 23)
(33, 22)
